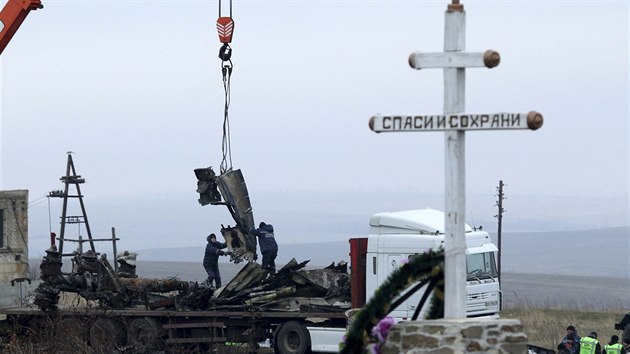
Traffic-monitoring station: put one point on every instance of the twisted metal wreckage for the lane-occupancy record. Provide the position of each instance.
(254, 288)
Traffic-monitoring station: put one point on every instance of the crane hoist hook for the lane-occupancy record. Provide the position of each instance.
(225, 26)
(225, 52)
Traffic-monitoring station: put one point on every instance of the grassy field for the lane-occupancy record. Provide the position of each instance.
(546, 327)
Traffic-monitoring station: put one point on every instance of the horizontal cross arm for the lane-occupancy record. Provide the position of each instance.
(460, 121)
(488, 59)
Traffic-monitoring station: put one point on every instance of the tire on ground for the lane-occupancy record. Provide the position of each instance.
(292, 338)
(144, 335)
(107, 334)
(72, 332)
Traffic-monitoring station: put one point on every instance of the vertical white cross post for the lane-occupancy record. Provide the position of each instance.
(454, 61)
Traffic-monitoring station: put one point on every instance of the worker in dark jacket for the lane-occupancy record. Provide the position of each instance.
(569, 345)
(268, 245)
(571, 340)
(211, 259)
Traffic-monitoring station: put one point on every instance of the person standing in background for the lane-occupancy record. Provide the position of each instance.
(268, 245)
(211, 259)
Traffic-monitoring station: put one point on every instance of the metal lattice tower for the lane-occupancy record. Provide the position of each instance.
(71, 178)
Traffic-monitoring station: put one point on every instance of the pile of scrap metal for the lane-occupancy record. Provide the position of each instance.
(93, 278)
(292, 288)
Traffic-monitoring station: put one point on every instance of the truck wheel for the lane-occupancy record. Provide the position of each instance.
(144, 335)
(72, 330)
(107, 334)
(292, 338)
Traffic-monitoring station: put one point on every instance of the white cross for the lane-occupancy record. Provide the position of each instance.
(454, 62)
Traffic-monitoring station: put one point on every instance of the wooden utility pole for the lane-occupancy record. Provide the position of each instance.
(500, 219)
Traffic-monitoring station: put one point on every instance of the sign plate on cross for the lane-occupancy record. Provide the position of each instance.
(460, 121)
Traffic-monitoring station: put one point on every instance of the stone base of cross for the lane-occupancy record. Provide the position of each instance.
(454, 62)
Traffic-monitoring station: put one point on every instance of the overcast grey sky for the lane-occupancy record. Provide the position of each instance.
(134, 88)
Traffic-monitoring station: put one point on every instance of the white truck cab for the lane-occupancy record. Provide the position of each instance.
(396, 236)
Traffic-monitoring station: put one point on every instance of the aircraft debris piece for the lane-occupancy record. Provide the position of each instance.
(207, 186)
(234, 191)
(272, 295)
(154, 285)
(242, 245)
(231, 188)
(127, 264)
(93, 278)
(249, 276)
(302, 304)
(257, 286)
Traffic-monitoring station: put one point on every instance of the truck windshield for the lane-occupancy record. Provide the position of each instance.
(481, 266)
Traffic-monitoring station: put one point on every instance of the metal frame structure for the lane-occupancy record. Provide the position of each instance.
(72, 178)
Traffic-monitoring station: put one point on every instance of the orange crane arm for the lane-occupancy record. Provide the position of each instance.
(12, 16)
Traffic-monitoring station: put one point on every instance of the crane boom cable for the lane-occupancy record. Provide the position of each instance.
(221, 6)
(226, 162)
(225, 28)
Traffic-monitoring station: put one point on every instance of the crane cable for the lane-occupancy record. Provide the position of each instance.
(225, 29)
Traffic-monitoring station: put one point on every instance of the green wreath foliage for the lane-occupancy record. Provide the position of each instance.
(428, 268)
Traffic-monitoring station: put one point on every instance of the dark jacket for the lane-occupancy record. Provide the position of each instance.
(213, 251)
(266, 239)
(569, 345)
(575, 348)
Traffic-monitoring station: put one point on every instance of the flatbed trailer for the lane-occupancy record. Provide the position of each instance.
(144, 331)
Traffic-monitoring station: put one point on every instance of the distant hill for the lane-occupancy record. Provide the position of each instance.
(597, 253)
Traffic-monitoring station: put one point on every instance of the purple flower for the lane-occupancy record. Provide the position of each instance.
(381, 330)
(373, 348)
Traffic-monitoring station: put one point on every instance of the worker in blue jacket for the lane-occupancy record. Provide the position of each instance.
(211, 259)
(268, 245)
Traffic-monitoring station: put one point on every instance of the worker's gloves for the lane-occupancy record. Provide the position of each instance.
(221, 253)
